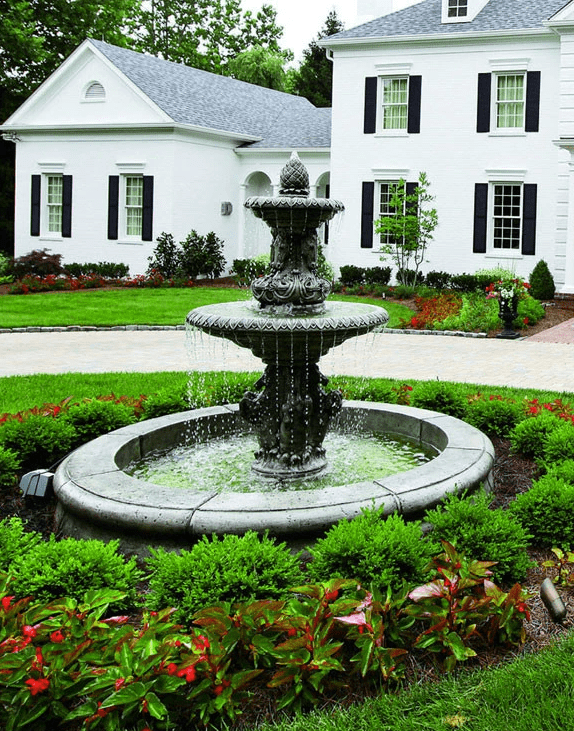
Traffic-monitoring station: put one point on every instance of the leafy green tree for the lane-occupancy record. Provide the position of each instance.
(260, 66)
(37, 35)
(205, 34)
(314, 78)
(410, 228)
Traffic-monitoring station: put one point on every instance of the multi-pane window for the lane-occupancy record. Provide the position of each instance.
(457, 8)
(134, 205)
(54, 199)
(507, 216)
(510, 97)
(385, 209)
(395, 103)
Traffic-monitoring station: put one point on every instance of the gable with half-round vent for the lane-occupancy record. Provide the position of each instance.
(95, 91)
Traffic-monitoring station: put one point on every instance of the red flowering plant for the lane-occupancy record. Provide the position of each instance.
(57, 409)
(561, 409)
(132, 678)
(45, 651)
(461, 606)
(307, 656)
(215, 665)
(433, 309)
(403, 394)
(375, 622)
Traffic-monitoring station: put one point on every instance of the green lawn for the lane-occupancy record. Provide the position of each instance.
(110, 307)
(533, 693)
(133, 306)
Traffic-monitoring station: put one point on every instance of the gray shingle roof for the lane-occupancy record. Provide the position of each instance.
(199, 98)
(425, 19)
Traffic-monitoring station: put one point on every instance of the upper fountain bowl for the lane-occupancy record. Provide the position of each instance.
(292, 209)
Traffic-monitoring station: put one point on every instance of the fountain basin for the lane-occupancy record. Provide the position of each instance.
(97, 499)
(302, 337)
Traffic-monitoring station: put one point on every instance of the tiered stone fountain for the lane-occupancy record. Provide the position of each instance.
(289, 328)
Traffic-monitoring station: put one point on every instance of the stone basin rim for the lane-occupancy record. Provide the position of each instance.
(219, 316)
(97, 499)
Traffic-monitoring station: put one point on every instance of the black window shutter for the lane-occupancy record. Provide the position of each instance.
(483, 104)
(409, 190)
(530, 192)
(370, 120)
(67, 206)
(113, 205)
(35, 207)
(480, 217)
(147, 222)
(414, 110)
(532, 101)
(368, 199)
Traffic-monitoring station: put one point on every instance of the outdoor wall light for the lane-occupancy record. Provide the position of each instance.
(226, 208)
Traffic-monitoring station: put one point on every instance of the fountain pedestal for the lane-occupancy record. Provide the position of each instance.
(291, 414)
(289, 407)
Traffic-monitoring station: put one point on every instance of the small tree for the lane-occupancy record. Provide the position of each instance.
(542, 285)
(410, 228)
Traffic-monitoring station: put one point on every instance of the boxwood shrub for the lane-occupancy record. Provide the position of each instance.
(9, 466)
(39, 441)
(53, 569)
(559, 445)
(529, 436)
(165, 402)
(445, 398)
(15, 541)
(372, 550)
(93, 418)
(483, 534)
(228, 569)
(494, 416)
(546, 511)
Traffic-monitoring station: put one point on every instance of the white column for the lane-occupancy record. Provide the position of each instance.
(568, 287)
(241, 223)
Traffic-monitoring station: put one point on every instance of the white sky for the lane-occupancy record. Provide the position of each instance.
(303, 19)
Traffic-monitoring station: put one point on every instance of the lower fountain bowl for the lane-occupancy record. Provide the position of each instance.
(98, 499)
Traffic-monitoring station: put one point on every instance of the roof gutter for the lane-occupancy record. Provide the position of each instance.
(281, 150)
(335, 44)
(15, 129)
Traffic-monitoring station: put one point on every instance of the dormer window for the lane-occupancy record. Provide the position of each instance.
(461, 11)
(95, 92)
(457, 8)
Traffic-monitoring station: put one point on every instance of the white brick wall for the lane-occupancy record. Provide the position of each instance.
(448, 148)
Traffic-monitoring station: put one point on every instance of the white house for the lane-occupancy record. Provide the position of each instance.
(116, 147)
(479, 94)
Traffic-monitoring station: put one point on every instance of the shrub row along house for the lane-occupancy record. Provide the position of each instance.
(116, 147)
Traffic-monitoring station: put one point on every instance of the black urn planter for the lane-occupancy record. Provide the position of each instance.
(507, 312)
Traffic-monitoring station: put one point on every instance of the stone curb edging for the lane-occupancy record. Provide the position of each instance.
(448, 333)
(88, 328)
(131, 328)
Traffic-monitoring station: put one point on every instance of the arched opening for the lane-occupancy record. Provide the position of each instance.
(256, 235)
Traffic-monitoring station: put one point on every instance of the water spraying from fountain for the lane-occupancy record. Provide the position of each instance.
(290, 408)
(289, 327)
